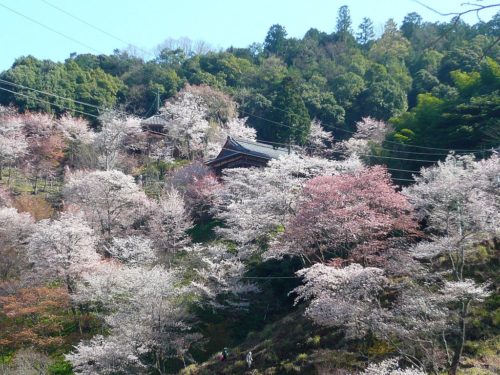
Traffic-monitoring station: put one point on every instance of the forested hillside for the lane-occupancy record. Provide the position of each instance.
(371, 245)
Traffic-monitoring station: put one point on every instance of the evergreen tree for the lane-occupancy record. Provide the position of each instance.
(275, 40)
(290, 111)
(344, 22)
(366, 32)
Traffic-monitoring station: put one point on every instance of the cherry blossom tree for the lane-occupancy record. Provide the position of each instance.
(219, 273)
(76, 129)
(111, 139)
(391, 367)
(108, 198)
(220, 107)
(201, 196)
(187, 123)
(13, 144)
(143, 311)
(169, 222)
(255, 203)
(460, 201)
(342, 297)
(425, 318)
(199, 187)
(45, 146)
(350, 216)
(104, 355)
(133, 250)
(79, 140)
(318, 139)
(15, 228)
(62, 249)
(369, 133)
(238, 129)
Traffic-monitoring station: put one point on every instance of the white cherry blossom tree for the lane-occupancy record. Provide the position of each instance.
(13, 144)
(109, 199)
(62, 249)
(110, 141)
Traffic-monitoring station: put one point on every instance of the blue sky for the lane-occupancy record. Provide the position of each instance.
(147, 23)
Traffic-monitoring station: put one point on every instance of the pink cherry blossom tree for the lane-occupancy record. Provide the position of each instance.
(356, 216)
(45, 148)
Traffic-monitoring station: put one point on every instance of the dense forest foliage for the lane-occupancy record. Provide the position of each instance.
(371, 246)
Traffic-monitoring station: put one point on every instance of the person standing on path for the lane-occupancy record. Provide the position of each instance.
(249, 359)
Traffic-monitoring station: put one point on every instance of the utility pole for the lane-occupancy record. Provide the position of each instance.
(157, 100)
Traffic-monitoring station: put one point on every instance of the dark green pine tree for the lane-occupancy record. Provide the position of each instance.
(290, 111)
(344, 23)
(366, 33)
(275, 42)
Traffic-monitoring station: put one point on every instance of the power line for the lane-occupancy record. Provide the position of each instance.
(153, 132)
(250, 114)
(403, 179)
(270, 277)
(244, 153)
(47, 102)
(57, 96)
(50, 29)
(403, 170)
(95, 27)
(390, 157)
(262, 118)
(91, 105)
(352, 132)
(105, 109)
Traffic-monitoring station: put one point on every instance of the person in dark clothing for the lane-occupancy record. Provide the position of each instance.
(225, 353)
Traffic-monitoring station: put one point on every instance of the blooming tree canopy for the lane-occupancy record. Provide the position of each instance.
(107, 198)
(350, 215)
(63, 249)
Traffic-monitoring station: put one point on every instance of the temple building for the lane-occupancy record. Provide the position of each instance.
(244, 154)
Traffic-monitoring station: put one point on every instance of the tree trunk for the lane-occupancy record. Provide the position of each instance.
(457, 355)
(35, 186)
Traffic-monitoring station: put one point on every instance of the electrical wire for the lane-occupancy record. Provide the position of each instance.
(352, 132)
(50, 29)
(148, 53)
(158, 133)
(58, 96)
(47, 102)
(94, 116)
(250, 114)
(390, 157)
(97, 107)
